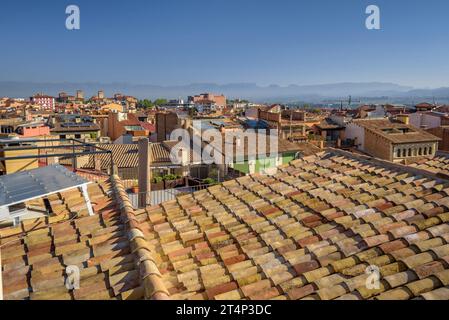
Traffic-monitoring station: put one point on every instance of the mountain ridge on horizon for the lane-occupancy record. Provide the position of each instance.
(244, 90)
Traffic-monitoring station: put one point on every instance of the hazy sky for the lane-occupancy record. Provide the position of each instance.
(170, 42)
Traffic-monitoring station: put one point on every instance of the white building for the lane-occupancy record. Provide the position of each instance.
(428, 120)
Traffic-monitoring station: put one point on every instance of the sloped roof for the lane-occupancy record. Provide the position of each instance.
(112, 256)
(127, 155)
(265, 148)
(328, 124)
(437, 165)
(36, 253)
(308, 232)
(22, 186)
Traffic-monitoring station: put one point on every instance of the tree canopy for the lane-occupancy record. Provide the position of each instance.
(145, 103)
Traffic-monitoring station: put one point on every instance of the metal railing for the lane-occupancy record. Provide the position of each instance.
(142, 199)
(45, 149)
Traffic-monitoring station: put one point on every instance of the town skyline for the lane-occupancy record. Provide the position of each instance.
(314, 93)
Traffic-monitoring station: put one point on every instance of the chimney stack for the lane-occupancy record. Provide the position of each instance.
(144, 171)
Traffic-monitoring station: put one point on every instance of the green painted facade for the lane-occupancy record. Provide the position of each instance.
(263, 164)
(288, 157)
(242, 167)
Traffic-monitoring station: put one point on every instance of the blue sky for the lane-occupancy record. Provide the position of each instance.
(172, 42)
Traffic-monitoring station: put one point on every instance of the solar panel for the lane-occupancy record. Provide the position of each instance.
(27, 185)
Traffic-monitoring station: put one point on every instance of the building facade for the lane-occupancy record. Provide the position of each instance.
(391, 140)
(44, 101)
(208, 98)
(166, 122)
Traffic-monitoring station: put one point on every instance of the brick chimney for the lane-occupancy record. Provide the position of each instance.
(144, 172)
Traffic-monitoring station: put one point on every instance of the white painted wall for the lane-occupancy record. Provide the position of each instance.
(354, 131)
(418, 120)
(415, 119)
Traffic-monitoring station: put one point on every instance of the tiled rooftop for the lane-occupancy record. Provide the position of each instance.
(34, 255)
(436, 165)
(308, 232)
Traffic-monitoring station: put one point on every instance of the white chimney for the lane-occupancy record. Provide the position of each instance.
(184, 157)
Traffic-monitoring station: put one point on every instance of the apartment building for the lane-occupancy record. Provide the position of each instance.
(44, 101)
(207, 99)
(394, 141)
(67, 126)
(119, 124)
(291, 124)
(429, 119)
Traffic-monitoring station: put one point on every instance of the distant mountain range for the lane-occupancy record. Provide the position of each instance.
(364, 91)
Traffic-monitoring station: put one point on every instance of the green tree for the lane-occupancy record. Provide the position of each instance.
(145, 103)
(160, 101)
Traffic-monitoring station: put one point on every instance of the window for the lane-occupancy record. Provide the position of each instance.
(420, 152)
(409, 152)
(404, 153)
(430, 150)
(398, 153)
(425, 151)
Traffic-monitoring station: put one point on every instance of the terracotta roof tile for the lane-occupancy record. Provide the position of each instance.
(308, 232)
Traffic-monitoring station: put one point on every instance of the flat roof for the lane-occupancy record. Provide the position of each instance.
(396, 132)
(28, 185)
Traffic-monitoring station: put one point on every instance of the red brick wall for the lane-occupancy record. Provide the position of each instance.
(442, 133)
(377, 146)
(165, 124)
(269, 116)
